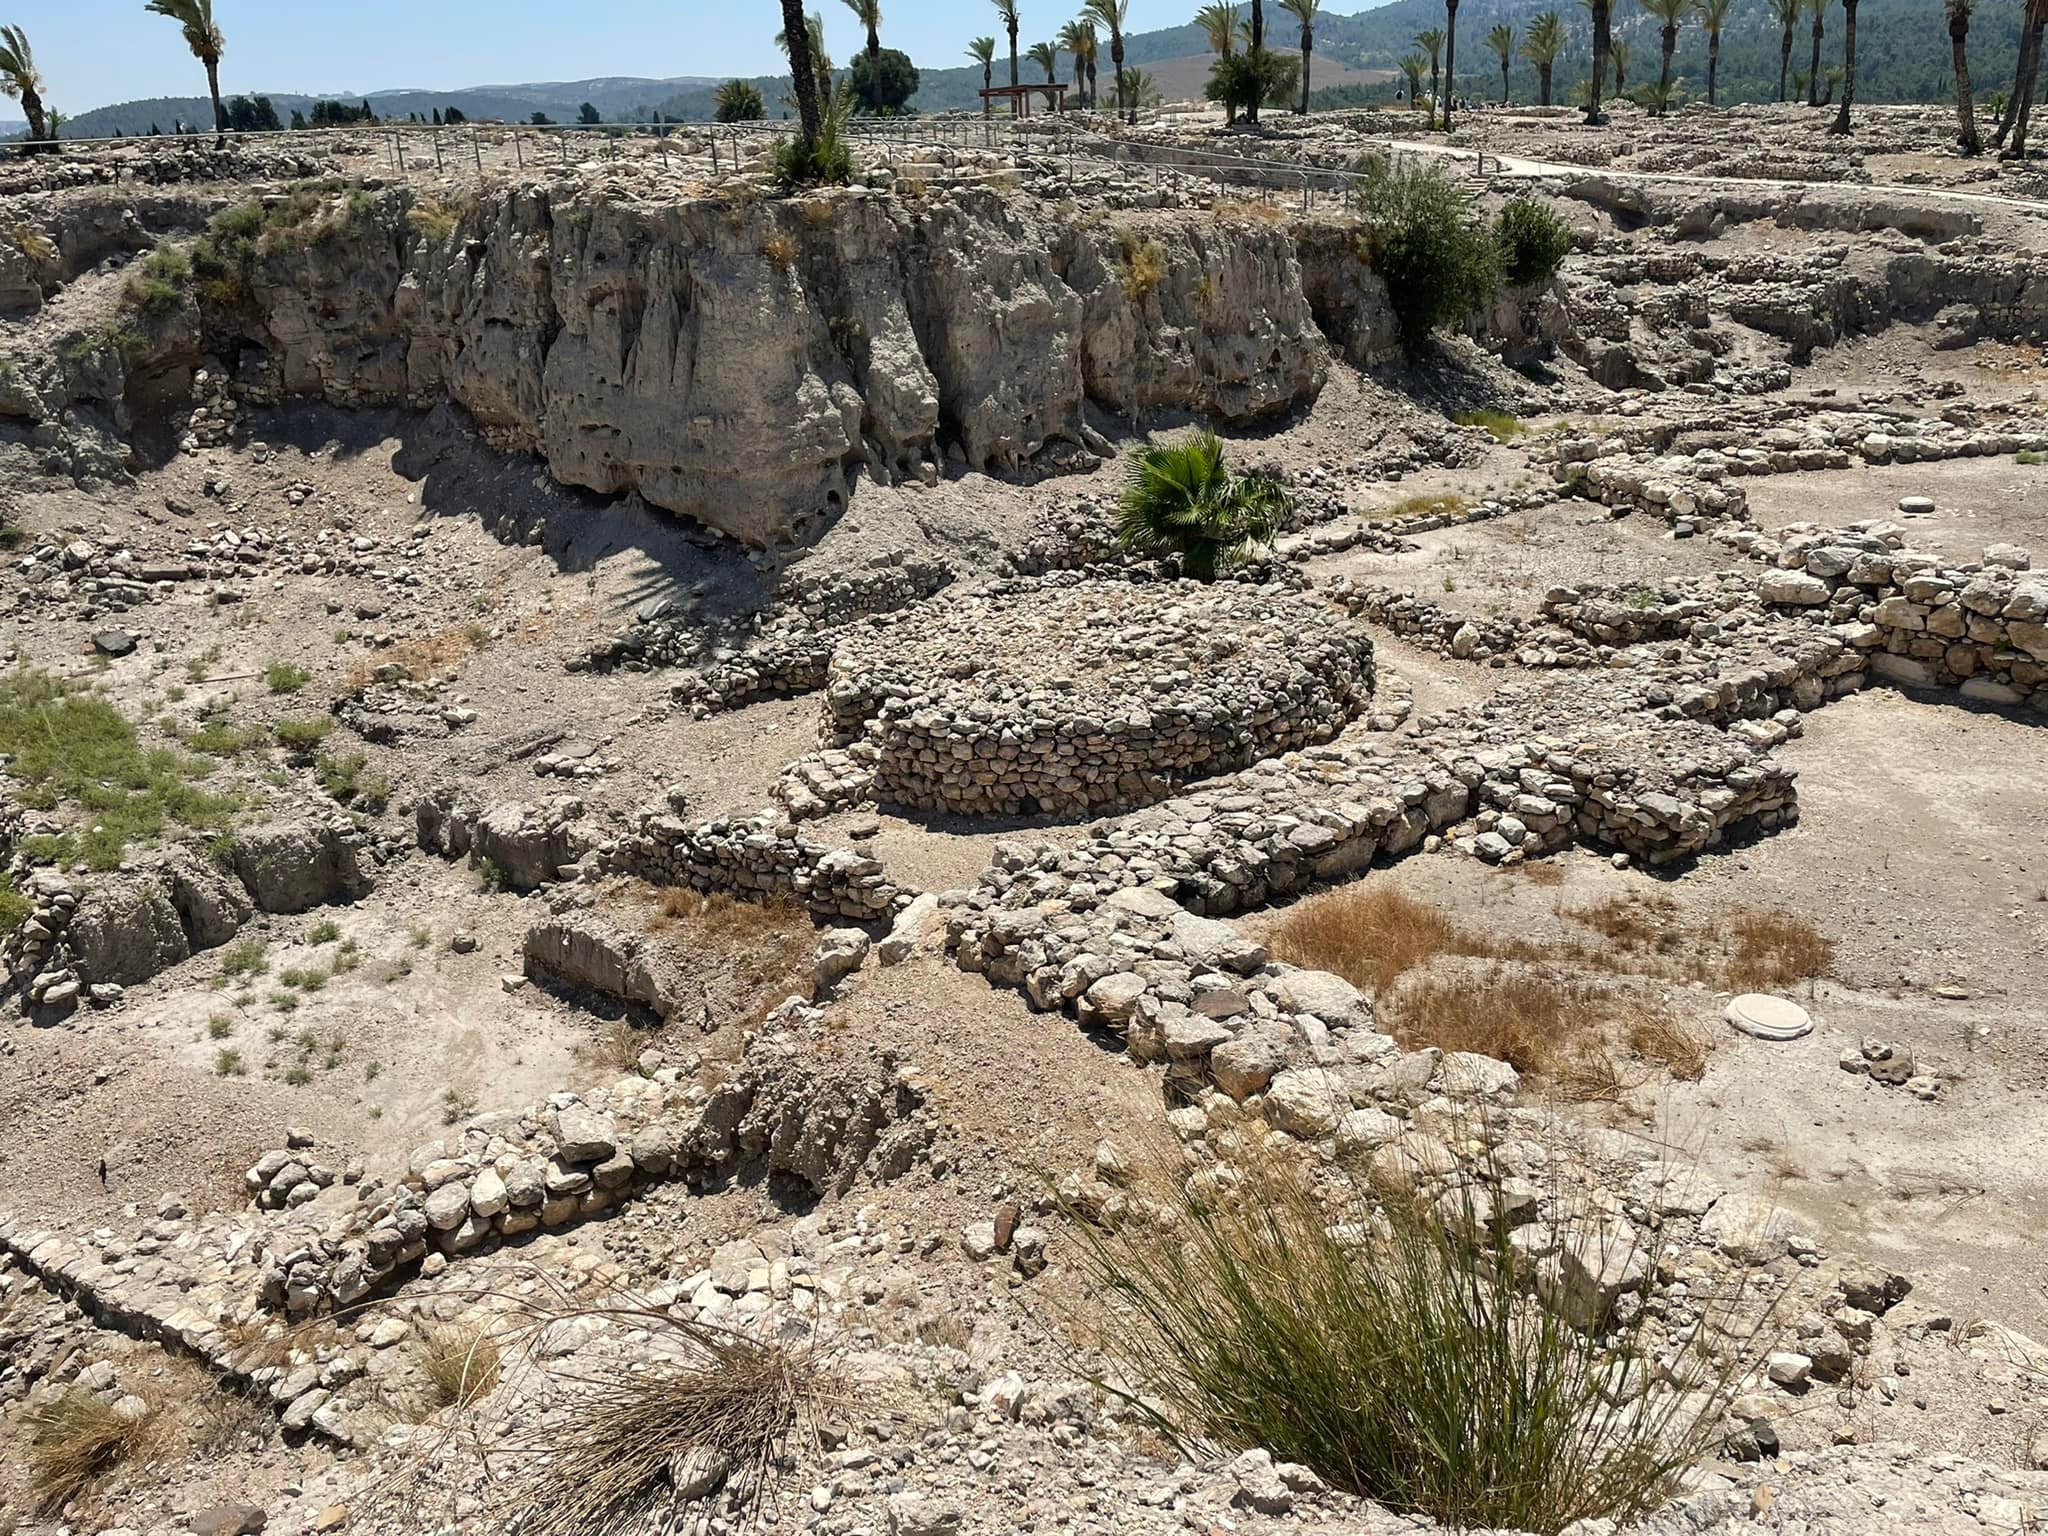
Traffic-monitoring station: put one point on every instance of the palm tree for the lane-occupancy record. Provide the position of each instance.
(1111, 14)
(1450, 59)
(1007, 10)
(207, 45)
(1602, 13)
(1841, 122)
(1182, 499)
(810, 71)
(1541, 45)
(1966, 116)
(2023, 74)
(1618, 52)
(1713, 16)
(1047, 58)
(1218, 21)
(19, 78)
(1432, 43)
(1305, 12)
(1502, 41)
(1255, 43)
(1818, 8)
(870, 14)
(1671, 13)
(983, 51)
(1412, 65)
(1073, 41)
(1787, 14)
(1138, 89)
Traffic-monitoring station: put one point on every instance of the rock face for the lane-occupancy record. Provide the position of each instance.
(737, 363)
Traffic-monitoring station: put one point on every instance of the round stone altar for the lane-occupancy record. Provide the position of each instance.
(1068, 695)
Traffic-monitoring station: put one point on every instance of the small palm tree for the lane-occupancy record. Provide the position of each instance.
(1841, 122)
(1182, 499)
(1218, 21)
(1818, 9)
(1618, 52)
(1502, 41)
(1958, 39)
(1112, 14)
(983, 51)
(20, 79)
(1006, 10)
(1047, 58)
(1305, 12)
(1077, 39)
(1713, 16)
(1139, 89)
(738, 101)
(1412, 65)
(1786, 14)
(204, 38)
(1671, 13)
(1432, 43)
(1541, 46)
(869, 13)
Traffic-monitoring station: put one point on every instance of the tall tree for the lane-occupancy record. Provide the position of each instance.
(1602, 12)
(870, 14)
(1670, 13)
(1541, 45)
(1007, 11)
(1958, 41)
(1786, 14)
(1841, 122)
(983, 51)
(1432, 43)
(795, 40)
(1112, 13)
(1305, 12)
(1502, 41)
(1077, 38)
(20, 79)
(1450, 59)
(2023, 71)
(204, 38)
(1818, 10)
(1713, 17)
(1258, 46)
(1218, 21)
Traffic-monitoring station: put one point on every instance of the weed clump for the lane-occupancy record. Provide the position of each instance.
(461, 1365)
(1533, 241)
(1144, 264)
(159, 282)
(77, 1439)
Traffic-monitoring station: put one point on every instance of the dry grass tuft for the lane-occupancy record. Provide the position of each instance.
(77, 1439)
(1530, 1018)
(1368, 933)
(649, 1431)
(1658, 1038)
(780, 251)
(1775, 949)
(461, 1363)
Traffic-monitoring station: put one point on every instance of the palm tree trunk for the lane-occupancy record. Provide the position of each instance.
(2023, 73)
(1503, 82)
(796, 32)
(1841, 122)
(1966, 112)
(1116, 61)
(1602, 39)
(874, 50)
(1813, 75)
(1713, 63)
(2017, 150)
(32, 109)
(220, 113)
(1450, 57)
(1784, 59)
(1669, 39)
(1543, 84)
(1251, 114)
(1094, 95)
(1308, 43)
(987, 82)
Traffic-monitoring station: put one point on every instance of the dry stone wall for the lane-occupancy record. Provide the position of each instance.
(1065, 696)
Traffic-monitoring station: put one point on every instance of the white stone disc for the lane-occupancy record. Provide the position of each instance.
(1768, 1017)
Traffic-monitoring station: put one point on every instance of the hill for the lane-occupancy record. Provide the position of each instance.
(1902, 55)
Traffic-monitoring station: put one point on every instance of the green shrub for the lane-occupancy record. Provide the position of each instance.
(1393, 1346)
(1438, 261)
(1534, 241)
(157, 285)
(2030, 456)
(285, 677)
(326, 931)
(227, 1062)
(1502, 427)
(823, 161)
(244, 957)
(304, 734)
(349, 781)
(738, 101)
(15, 908)
(1247, 80)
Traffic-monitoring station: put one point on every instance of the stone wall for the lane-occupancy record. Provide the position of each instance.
(1060, 695)
(756, 857)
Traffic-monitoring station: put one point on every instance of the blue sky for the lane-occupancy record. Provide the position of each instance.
(94, 52)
